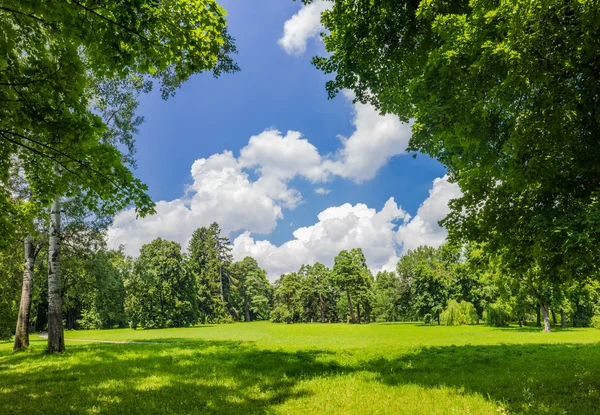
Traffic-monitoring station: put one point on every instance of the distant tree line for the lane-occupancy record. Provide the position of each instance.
(166, 286)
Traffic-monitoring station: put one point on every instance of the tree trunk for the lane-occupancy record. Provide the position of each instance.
(545, 309)
(563, 319)
(539, 319)
(350, 307)
(56, 335)
(221, 283)
(322, 307)
(22, 331)
(358, 312)
(438, 319)
(553, 317)
(246, 308)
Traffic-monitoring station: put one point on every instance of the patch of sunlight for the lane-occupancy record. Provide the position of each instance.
(153, 382)
(107, 385)
(106, 399)
(356, 393)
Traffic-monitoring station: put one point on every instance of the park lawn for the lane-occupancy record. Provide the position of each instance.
(263, 368)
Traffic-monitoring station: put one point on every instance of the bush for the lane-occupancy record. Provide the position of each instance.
(497, 314)
(457, 314)
(595, 323)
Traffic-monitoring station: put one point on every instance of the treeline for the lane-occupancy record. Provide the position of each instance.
(447, 285)
(169, 287)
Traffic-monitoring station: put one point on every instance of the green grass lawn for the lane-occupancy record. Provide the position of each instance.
(262, 368)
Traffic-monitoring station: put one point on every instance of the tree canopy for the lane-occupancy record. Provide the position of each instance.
(505, 95)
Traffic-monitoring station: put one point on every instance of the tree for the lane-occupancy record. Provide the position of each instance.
(210, 261)
(159, 291)
(505, 95)
(288, 304)
(31, 250)
(386, 291)
(351, 275)
(321, 280)
(250, 283)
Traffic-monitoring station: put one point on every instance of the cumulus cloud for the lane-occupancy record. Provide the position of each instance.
(303, 26)
(339, 227)
(223, 191)
(423, 229)
(383, 235)
(376, 139)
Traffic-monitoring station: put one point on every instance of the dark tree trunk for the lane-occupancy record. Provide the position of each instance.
(563, 319)
(246, 308)
(322, 307)
(22, 330)
(438, 319)
(545, 310)
(358, 312)
(56, 335)
(539, 318)
(350, 307)
(553, 317)
(221, 284)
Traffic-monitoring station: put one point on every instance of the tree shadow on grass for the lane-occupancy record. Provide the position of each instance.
(531, 378)
(195, 377)
(230, 377)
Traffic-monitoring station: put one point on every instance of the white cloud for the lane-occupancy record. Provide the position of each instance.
(223, 192)
(322, 191)
(338, 227)
(358, 226)
(423, 229)
(376, 139)
(302, 26)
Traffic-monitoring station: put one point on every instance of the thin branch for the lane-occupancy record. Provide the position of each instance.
(110, 21)
(6, 9)
(83, 164)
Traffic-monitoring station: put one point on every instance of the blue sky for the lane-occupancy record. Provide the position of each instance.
(278, 89)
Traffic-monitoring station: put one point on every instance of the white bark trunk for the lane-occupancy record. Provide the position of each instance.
(545, 309)
(22, 330)
(56, 336)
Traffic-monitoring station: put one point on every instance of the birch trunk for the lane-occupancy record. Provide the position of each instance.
(56, 335)
(22, 331)
(544, 308)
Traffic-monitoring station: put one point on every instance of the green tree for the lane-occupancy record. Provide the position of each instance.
(159, 291)
(210, 261)
(287, 307)
(504, 94)
(251, 285)
(352, 276)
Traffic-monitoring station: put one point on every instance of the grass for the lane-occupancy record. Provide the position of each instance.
(264, 368)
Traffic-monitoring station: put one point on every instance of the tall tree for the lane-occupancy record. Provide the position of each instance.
(31, 250)
(505, 95)
(210, 261)
(159, 291)
(351, 275)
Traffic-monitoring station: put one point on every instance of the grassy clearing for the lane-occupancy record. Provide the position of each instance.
(262, 368)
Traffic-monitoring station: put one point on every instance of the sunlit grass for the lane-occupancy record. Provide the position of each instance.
(268, 368)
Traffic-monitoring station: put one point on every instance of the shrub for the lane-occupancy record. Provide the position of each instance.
(457, 314)
(497, 314)
(595, 323)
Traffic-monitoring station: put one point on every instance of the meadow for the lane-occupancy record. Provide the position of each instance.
(264, 368)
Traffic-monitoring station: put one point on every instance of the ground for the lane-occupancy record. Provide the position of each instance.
(263, 368)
